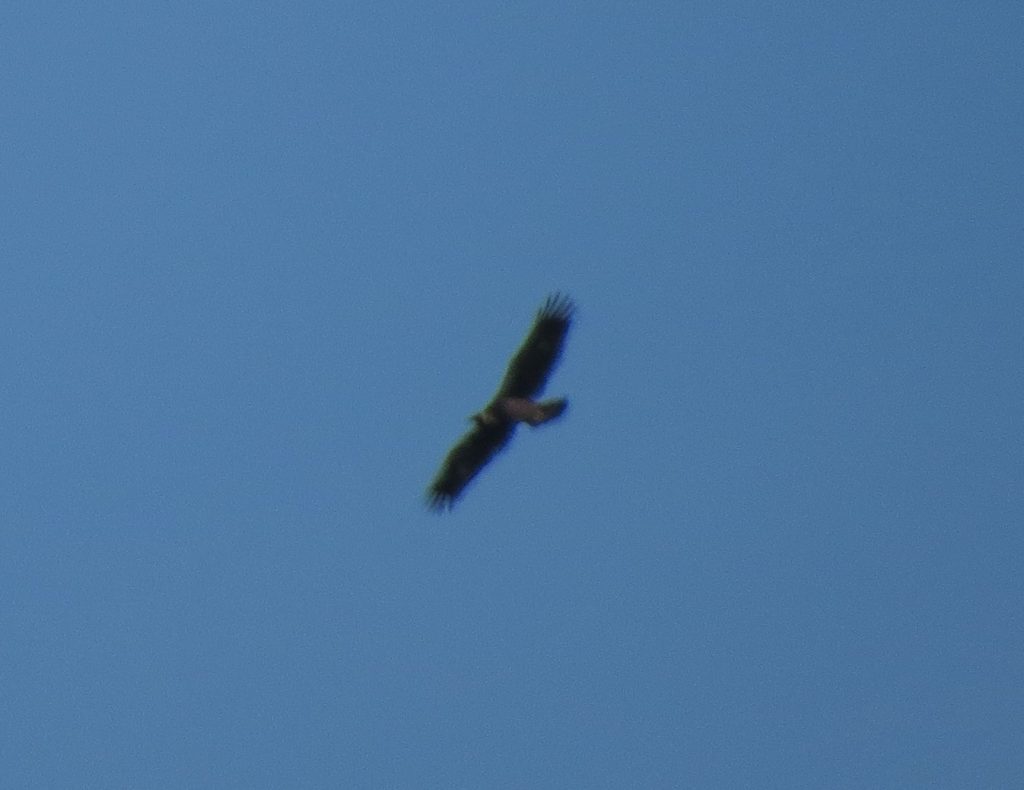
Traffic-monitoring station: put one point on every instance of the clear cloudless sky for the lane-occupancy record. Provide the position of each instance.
(259, 261)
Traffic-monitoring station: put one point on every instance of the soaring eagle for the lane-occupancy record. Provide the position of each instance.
(494, 425)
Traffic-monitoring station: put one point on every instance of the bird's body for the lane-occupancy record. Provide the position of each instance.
(514, 403)
(520, 410)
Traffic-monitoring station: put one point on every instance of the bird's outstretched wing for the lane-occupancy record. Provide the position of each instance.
(536, 357)
(465, 460)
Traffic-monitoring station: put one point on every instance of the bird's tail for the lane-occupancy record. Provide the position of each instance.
(552, 409)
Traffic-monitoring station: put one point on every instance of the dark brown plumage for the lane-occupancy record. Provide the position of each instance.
(512, 404)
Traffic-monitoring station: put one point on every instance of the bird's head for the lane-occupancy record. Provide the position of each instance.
(483, 419)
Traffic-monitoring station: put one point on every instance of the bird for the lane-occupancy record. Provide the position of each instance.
(494, 425)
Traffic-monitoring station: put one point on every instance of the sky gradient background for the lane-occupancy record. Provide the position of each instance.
(260, 261)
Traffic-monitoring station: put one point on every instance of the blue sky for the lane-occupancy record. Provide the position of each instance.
(261, 260)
